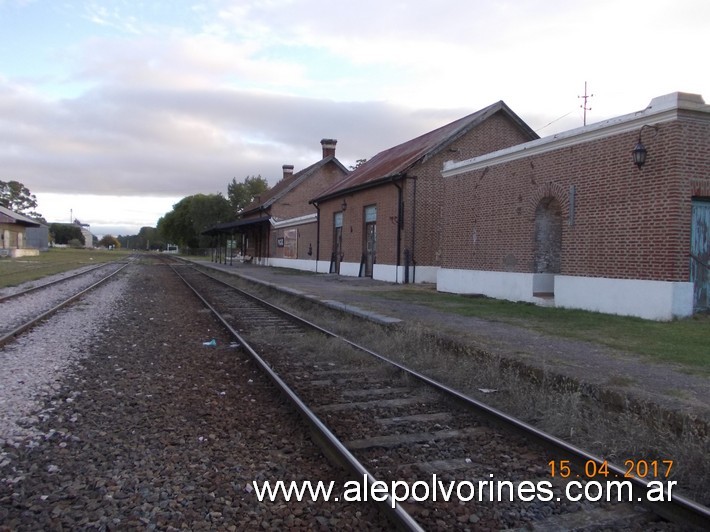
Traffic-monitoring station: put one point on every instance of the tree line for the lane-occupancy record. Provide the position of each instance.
(194, 214)
(183, 225)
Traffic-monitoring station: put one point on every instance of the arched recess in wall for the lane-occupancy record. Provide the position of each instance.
(548, 236)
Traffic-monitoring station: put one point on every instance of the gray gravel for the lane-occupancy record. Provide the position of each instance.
(141, 426)
(17, 311)
(35, 364)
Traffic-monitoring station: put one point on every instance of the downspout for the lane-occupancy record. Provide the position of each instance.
(400, 211)
(266, 237)
(414, 228)
(315, 204)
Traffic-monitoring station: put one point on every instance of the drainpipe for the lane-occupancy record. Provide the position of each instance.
(315, 204)
(400, 211)
(414, 228)
(268, 240)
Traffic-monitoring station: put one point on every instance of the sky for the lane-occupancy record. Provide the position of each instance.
(112, 111)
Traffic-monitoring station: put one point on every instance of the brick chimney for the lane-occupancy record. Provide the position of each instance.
(328, 147)
(288, 170)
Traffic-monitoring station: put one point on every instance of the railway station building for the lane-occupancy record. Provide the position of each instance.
(280, 227)
(611, 217)
(384, 220)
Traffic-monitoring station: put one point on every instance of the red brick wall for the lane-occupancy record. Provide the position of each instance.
(385, 198)
(496, 133)
(295, 203)
(628, 223)
(306, 241)
(422, 217)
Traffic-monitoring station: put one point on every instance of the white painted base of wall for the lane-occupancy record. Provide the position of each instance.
(24, 252)
(350, 269)
(389, 273)
(500, 285)
(308, 265)
(653, 300)
(424, 274)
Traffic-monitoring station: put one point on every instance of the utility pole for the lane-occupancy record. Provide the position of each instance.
(585, 97)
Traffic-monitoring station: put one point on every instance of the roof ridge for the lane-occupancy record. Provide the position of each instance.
(398, 159)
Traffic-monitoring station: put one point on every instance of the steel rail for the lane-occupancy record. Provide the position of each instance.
(331, 445)
(675, 508)
(50, 283)
(28, 325)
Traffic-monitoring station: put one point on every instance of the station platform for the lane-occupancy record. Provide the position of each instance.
(625, 374)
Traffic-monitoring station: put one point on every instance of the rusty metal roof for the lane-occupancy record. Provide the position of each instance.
(394, 162)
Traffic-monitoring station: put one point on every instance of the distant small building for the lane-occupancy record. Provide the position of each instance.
(13, 241)
(86, 233)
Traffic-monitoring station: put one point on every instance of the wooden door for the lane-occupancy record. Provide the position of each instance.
(337, 243)
(700, 254)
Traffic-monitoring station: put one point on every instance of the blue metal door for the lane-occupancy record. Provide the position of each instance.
(700, 254)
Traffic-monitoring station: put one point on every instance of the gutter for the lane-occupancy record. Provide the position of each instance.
(293, 221)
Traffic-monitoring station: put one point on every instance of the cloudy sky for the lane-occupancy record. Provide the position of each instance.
(113, 110)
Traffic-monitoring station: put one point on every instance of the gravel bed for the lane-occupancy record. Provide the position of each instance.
(130, 422)
(35, 363)
(18, 311)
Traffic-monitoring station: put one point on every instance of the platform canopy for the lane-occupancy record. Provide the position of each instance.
(230, 227)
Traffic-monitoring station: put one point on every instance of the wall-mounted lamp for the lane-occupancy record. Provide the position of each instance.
(639, 152)
(344, 205)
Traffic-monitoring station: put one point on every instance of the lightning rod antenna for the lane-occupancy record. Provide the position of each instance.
(585, 97)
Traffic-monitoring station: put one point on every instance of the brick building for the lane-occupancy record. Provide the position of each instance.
(384, 220)
(571, 221)
(280, 227)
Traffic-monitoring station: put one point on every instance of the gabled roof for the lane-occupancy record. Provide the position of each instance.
(8, 216)
(284, 186)
(394, 162)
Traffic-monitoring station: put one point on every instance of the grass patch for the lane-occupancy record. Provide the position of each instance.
(24, 269)
(563, 407)
(683, 342)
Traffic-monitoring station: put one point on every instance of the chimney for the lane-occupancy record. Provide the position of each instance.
(288, 170)
(328, 147)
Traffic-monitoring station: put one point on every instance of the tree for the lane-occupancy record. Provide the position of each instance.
(193, 215)
(17, 197)
(63, 233)
(110, 242)
(242, 194)
(358, 164)
(149, 238)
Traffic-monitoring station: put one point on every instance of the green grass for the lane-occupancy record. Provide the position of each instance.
(23, 269)
(685, 342)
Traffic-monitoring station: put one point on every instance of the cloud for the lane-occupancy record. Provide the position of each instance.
(175, 98)
(171, 141)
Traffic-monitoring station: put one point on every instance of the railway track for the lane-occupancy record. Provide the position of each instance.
(22, 310)
(420, 440)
